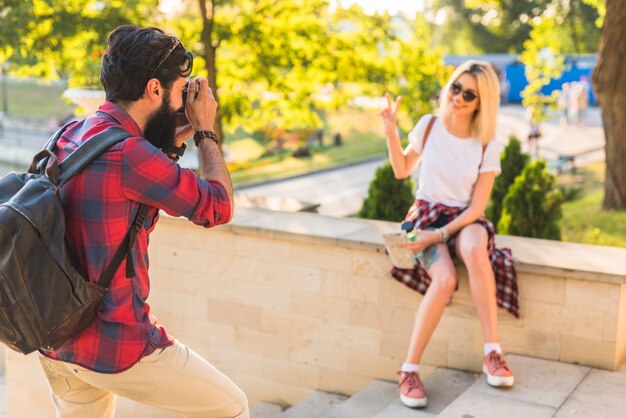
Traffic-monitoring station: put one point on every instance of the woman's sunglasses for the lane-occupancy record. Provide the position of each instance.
(468, 95)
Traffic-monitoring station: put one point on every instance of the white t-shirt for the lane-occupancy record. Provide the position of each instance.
(450, 165)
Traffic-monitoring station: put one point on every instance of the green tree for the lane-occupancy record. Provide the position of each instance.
(387, 198)
(53, 39)
(532, 206)
(475, 26)
(512, 161)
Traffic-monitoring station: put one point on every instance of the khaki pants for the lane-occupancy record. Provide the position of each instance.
(173, 378)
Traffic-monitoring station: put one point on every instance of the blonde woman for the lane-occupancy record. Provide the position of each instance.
(460, 161)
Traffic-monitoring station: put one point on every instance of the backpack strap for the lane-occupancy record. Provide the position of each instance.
(124, 250)
(88, 151)
(431, 122)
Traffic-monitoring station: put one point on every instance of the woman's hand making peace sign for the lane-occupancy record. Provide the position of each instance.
(390, 114)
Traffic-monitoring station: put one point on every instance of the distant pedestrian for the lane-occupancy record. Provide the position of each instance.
(563, 103)
(534, 134)
(505, 88)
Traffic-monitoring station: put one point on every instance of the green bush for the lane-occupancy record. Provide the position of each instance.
(388, 199)
(532, 206)
(512, 162)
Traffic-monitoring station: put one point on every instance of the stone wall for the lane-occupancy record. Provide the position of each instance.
(287, 304)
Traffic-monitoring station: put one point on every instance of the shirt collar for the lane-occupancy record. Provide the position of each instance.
(121, 116)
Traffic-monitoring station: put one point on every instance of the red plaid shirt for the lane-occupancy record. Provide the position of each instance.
(424, 214)
(100, 202)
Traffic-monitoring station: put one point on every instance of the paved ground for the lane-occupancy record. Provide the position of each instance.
(340, 192)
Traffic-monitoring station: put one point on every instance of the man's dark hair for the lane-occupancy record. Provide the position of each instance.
(134, 55)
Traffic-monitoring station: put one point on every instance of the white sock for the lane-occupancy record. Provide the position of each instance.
(410, 367)
(489, 347)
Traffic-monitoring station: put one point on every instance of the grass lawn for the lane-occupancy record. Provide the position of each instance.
(362, 137)
(37, 99)
(583, 219)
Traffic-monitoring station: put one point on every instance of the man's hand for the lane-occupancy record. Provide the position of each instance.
(201, 106)
(184, 129)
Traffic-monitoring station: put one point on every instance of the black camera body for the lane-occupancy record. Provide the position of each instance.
(182, 108)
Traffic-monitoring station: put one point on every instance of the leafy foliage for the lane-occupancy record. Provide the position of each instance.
(277, 64)
(54, 39)
(512, 162)
(475, 26)
(388, 198)
(532, 206)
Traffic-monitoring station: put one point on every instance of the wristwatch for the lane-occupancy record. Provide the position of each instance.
(170, 150)
(200, 135)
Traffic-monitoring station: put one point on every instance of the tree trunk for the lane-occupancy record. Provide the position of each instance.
(207, 10)
(609, 81)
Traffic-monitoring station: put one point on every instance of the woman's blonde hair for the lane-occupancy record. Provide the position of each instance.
(484, 120)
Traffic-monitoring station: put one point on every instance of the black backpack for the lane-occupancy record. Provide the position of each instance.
(44, 297)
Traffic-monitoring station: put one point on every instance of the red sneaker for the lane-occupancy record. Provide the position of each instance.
(412, 392)
(498, 372)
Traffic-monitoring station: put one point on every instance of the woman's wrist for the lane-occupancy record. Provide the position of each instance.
(443, 234)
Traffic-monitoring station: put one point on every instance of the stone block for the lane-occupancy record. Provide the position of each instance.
(573, 408)
(542, 288)
(395, 345)
(348, 286)
(318, 405)
(325, 308)
(399, 320)
(233, 313)
(588, 351)
(583, 294)
(263, 343)
(368, 401)
(445, 385)
(260, 389)
(395, 294)
(341, 382)
(352, 338)
(602, 388)
(374, 366)
(481, 405)
(317, 355)
(286, 371)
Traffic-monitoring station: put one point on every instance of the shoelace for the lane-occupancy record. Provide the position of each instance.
(413, 378)
(497, 360)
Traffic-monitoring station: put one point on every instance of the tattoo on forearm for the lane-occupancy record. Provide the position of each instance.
(429, 256)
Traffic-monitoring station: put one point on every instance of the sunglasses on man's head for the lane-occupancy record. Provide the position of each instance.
(468, 95)
(175, 43)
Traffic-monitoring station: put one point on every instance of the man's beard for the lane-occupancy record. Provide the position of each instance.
(161, 127)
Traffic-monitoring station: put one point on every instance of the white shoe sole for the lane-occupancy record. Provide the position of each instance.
(414, 402)
(498, 381)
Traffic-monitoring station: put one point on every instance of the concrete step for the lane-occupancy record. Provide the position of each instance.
(443, 386)
(266, 410)
(541, 389)
(318, 405)
(368, 402)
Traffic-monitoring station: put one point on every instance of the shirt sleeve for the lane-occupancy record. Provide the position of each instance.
(491, 158)
(149, 177)
(416, 136)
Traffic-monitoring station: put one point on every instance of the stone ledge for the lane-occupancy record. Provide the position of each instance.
(531, 255)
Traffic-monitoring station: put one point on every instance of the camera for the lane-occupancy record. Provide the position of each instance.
(182, 108)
